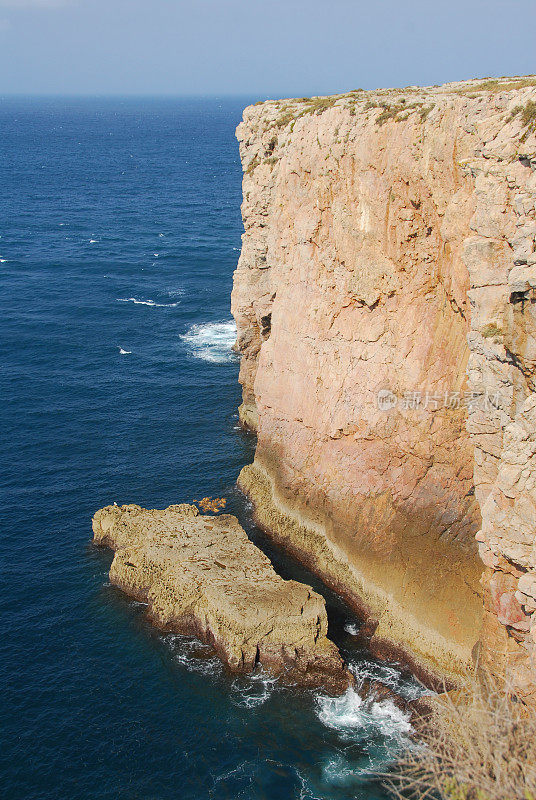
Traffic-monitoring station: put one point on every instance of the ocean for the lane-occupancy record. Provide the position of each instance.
(119, 231)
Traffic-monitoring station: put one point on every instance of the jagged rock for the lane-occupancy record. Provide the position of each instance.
(201, 575)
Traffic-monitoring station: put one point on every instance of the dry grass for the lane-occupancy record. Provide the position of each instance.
(491, 331)
(399, 112)
(528, 118)
(499, 85)
(308, 105)
(254, 163)
(477, 744)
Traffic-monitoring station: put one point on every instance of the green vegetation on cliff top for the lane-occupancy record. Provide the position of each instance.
(394, 107)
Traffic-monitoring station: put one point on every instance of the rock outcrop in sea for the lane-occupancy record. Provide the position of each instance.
(202, 576)
(385, 301)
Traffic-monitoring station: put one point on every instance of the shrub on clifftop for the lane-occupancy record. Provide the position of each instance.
(477, 744)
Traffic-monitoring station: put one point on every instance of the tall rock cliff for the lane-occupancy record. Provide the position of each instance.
(385, 304)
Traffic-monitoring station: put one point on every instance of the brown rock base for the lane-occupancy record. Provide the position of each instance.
(202, 576)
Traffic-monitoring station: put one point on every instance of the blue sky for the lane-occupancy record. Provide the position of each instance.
(275, 48)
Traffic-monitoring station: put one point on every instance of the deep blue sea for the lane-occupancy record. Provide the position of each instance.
(119, 231)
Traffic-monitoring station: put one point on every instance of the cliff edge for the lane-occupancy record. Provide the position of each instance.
(385, 305)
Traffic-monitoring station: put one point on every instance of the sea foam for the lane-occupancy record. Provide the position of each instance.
(404, 685)
(193, 655)
(212, 341)
(350, 715)
(151, 303)
(352, 628)
(253, 690)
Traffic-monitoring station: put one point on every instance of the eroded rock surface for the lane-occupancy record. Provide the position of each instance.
(201, 575)
(385, 300)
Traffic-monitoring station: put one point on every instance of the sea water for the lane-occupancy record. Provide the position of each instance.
(119, 232)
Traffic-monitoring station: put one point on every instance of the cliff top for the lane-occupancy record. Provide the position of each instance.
(471, 88)
(517, 93)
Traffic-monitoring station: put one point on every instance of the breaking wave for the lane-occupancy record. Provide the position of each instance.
(404, 685)
(351, 714)
(212, 341)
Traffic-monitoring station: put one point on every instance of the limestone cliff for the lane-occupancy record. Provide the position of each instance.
(385, 310)
(201, 575)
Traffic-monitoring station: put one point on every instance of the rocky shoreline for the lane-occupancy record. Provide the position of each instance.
(385, 301)
(201, 575)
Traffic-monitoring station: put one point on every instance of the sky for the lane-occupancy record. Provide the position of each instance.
(274, 48)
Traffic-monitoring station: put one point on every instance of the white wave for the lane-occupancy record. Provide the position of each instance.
(124, 352)
(212, 341)
(352, 628)
(406, 686)
(151, 303)
(138, 604)
(193, 655)
(350, 715)
(253, 691)
(384, 673)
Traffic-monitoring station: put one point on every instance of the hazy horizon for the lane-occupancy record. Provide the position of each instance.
(156, 95)
(122, 48)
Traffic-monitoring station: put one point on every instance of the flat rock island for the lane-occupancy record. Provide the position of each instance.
(202, 576)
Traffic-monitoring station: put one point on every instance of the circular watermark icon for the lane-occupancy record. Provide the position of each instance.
(386, 400)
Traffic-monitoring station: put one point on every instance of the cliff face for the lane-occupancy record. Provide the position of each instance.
(385, 319)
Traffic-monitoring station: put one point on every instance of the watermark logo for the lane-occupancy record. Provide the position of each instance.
(386, 400)
(426, 400)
